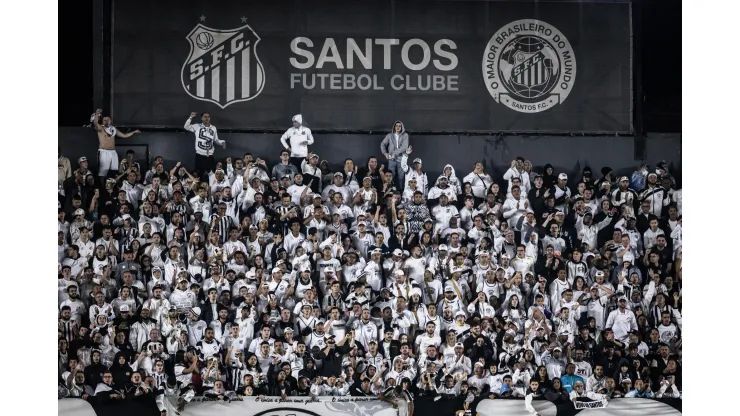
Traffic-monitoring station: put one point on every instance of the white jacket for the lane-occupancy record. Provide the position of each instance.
(204, 137)
(297, 139)
(513, 210)
(479, 183)
(658, 198)
(523, 177)
(442, 215)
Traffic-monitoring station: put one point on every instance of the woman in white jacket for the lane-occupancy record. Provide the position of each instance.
(479, 180)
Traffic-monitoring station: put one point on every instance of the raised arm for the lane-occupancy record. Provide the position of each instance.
(96, 120)
(188, 123)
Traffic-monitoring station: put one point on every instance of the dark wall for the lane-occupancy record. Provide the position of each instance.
(568, 154)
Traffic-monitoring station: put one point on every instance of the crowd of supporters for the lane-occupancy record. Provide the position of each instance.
(231, 277)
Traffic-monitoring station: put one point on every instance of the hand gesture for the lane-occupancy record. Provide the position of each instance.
(99, 111)
(513, 163)
(409, 150)
(223, 144)
(676, 296)
(137, 131)
(381, 168)
(193, 114)
(97, 193)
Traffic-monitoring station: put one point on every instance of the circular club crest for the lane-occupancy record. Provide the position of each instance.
(529, 66)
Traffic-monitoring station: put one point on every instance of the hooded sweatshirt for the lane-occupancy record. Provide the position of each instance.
(549, 180)
(395, 144)
(297, 139)
(121, 372)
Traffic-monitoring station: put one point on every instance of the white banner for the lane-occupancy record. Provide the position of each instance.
(75, 407)
(616, 407)
(275, 406)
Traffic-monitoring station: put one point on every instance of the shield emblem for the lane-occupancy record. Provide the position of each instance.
(223, 66)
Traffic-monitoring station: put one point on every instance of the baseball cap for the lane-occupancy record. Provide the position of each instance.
(398, 273)
(196, 311)
(125, 308)
(624, 178)
(442, 247)
(82, 159)
(563, 177)
(417, 160)
(397, 252)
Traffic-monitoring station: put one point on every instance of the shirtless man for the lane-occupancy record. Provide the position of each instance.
(107, 156)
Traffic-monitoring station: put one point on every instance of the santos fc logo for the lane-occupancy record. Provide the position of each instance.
(529, 66)
(223, 66)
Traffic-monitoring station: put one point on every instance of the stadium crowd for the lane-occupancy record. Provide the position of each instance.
(232, 277)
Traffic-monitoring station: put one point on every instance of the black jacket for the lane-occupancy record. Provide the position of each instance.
(395, 348)
(332, 362)
(94, 374)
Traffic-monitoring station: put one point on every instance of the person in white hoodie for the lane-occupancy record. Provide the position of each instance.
(296, 140)
(449, 172)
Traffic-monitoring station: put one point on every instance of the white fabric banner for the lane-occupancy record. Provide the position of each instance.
(616, 407)
(75, 407)
(275, 406)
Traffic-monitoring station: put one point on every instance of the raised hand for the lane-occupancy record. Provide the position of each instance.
(193, 114)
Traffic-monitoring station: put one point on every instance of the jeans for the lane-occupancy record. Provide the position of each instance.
(399, 176)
